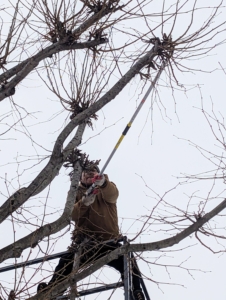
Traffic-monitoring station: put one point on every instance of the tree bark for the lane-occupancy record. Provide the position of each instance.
(23, 69)
(31, 240)
(44, 178)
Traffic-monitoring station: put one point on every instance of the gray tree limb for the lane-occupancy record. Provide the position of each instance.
(43, 179)
(17, 199)
(108, 97)
(154, 246)
(23, 69)
(51, 169)
(31, 240)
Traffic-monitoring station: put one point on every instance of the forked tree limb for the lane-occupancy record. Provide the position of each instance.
(56, 160)
(44, 178)
(31, 240)
(24, 68)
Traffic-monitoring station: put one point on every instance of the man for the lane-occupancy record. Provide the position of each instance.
(96, 220)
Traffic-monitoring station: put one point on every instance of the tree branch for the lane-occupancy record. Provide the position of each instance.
(44, 178)
(31, 240)
(133, 248)
(52, 169)
(109, 96)
(24, 68)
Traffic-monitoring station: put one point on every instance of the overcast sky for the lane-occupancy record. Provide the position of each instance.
(151, 160)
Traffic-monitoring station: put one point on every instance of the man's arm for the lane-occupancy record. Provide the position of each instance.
(109, 191)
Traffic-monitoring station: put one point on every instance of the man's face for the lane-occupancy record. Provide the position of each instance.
(87, 176)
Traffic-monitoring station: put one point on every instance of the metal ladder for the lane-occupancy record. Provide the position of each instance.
(127, 275)
(127, 283)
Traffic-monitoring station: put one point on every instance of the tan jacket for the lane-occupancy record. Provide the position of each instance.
(100, 219)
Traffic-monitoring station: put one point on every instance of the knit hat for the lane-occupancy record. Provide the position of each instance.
(92, 167)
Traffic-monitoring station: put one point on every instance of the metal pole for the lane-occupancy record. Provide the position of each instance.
(130, 271)
(45, 258)
(141, 279)
(133, 117)
(126, 274)
(94, 290)
(89, 191)
(32, 262)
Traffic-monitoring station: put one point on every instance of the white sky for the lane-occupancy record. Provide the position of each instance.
(157, 148)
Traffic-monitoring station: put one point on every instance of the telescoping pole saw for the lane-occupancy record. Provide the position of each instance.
(89, 191)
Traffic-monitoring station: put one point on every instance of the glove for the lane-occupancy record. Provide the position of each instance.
(99, 180)
(88, 200)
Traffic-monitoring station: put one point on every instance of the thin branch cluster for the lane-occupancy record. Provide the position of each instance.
(83, 160)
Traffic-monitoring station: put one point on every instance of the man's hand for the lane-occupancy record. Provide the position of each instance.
(99, 180)
(88, 200)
